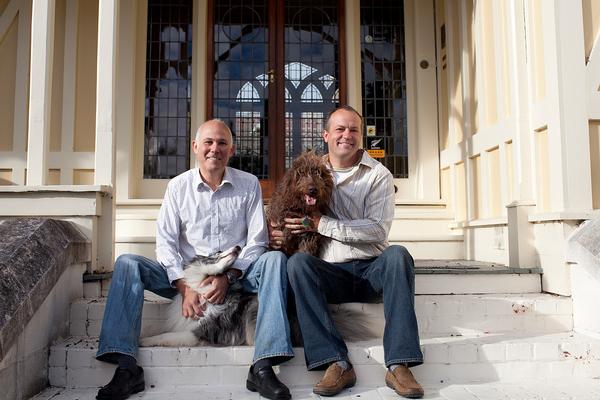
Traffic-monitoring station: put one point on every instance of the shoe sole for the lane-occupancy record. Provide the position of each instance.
(329, 393)
(253, 388)
(417, 395)
(140, 387)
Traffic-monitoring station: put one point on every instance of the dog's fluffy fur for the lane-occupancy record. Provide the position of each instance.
(305, 189)
(229, 324)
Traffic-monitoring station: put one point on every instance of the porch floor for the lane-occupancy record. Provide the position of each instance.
(562, 389)
(469, 267)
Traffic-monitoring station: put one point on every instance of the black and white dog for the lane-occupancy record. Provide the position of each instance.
(229, 324)
(233, 323)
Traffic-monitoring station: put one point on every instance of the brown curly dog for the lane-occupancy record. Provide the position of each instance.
(305, 189)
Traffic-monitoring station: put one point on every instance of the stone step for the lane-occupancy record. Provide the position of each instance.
(441, 314)
(433, 277)
(448, 360)
(447, 246)
(422, 246)
(538, 389)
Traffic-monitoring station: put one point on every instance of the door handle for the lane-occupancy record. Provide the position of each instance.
(271, 74)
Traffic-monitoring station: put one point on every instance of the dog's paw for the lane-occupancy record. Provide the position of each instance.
(149, 341)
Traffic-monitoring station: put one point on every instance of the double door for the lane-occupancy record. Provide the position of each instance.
(276, 68)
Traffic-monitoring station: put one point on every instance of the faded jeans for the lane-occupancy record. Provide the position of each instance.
(133, 274)
(316, 283)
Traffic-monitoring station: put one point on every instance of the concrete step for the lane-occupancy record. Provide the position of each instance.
(422, 245)
(436, 314)
(446, 246)
(562, 389)
(448, 360)
(436, 277)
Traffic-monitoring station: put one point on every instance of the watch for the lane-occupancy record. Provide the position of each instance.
(232, 277)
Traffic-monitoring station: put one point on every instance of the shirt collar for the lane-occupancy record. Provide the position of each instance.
(228, 178)
(365, 160)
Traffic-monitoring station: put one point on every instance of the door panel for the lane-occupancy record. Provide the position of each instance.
(275, 76)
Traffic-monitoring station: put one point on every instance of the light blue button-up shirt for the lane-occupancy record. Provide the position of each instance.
(194, 220)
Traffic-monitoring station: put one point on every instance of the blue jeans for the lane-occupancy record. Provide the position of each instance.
(132, 274)
(316, 283)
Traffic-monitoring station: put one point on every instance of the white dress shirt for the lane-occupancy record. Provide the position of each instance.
(360, 213)
(194, 220)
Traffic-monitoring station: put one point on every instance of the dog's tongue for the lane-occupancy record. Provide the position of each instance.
(310, 201)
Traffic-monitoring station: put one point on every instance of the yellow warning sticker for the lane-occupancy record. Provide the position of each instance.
(376, 153)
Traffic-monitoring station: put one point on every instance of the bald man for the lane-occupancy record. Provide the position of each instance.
(207, 209)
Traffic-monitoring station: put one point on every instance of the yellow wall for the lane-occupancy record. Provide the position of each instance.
(542, 170)
(476, 188)
(495, 205)
(85, 103)
(537, 42)
(591, 23)
(8, 70)
(488, 64)
(461, 192)
(502, 23)
(472, 95)
(57, 76)
(3, 4)
(595, 162)
(456, 105)
(442, 74)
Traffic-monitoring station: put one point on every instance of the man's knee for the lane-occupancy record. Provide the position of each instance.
(274, 262)
(398, 258)
(297, 264)
(126, 264)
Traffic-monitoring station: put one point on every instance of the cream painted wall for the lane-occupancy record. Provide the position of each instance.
(3, 4)
(591, 23)
(57, 77)
(85, 109)
(8, 67)
(595, 159)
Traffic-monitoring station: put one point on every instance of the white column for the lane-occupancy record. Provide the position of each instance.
(108, 18)
(40, 90)
(105, 93)
(568, 141)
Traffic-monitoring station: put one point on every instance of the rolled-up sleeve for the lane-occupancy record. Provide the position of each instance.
(168, 225)
(257, 236)
(377, 218)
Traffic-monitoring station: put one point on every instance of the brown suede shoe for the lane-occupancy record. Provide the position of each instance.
(335, 380)
(404, 383)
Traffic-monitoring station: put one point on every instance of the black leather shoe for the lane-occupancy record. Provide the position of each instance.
(123, 384)
(265, 382)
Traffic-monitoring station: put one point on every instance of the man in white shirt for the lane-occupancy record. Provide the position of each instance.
(356, 264)
(205, 210)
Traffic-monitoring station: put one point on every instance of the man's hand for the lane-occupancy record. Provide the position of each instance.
(275, 236)
(305, 224)
(216, 294)
(191, 307)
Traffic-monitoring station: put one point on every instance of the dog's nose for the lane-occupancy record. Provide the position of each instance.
(312, 191)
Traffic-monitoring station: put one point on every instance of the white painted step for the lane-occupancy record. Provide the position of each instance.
(430, 245)
(430, 281)
(442, 314)
(563, 389)
(448, 360)
(421, 246)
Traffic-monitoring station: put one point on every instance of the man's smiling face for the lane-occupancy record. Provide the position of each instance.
(213, 147)
(343, 137)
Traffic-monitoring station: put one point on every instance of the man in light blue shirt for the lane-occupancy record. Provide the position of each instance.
(205, 210)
